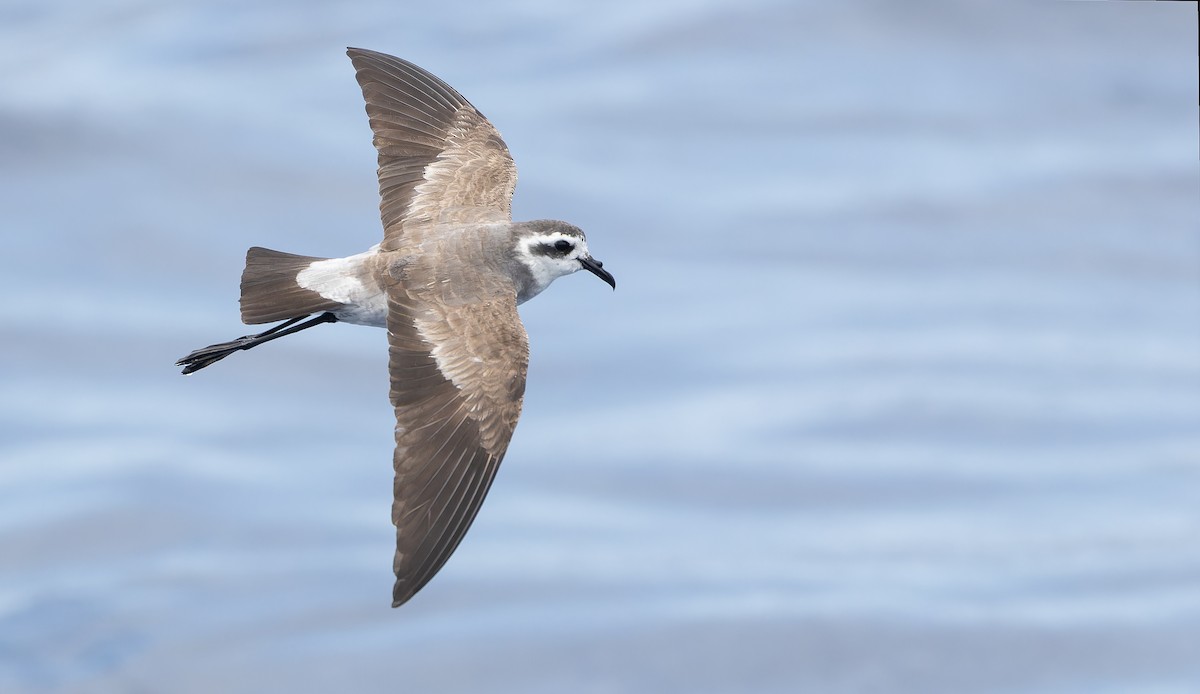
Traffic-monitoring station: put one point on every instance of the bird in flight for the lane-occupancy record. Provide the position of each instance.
(445, 282)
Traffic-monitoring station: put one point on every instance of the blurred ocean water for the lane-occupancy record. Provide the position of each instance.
(900, 391)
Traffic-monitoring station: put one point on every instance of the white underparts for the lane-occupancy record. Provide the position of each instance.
(348, 281)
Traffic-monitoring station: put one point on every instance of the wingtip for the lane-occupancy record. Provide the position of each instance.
(401, 593)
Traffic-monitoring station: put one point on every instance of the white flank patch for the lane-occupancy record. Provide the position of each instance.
(348, 281)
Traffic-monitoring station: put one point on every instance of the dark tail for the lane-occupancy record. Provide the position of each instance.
(269, 289)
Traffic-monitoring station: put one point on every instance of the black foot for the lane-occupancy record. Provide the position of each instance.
(214, 353)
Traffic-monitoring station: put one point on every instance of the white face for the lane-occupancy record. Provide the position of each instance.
(550, 256)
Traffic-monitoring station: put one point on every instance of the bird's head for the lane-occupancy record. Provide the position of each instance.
(552, 249)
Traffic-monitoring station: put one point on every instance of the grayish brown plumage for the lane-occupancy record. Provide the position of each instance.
(445, 282)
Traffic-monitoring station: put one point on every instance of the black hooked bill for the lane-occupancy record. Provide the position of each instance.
(597, 268)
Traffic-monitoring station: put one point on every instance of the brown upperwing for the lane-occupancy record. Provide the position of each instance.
(457, 367)
(457, 381)
(440, 160)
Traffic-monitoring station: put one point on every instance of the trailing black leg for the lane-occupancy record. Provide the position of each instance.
(213, 353)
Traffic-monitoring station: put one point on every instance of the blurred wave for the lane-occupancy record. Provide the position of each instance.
(899, 391)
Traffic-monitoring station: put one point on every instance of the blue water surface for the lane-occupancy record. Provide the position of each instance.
(899, 392)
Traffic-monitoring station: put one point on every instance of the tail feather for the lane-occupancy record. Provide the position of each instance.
(269, 289)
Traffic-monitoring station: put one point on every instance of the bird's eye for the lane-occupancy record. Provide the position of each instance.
(563, 245)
